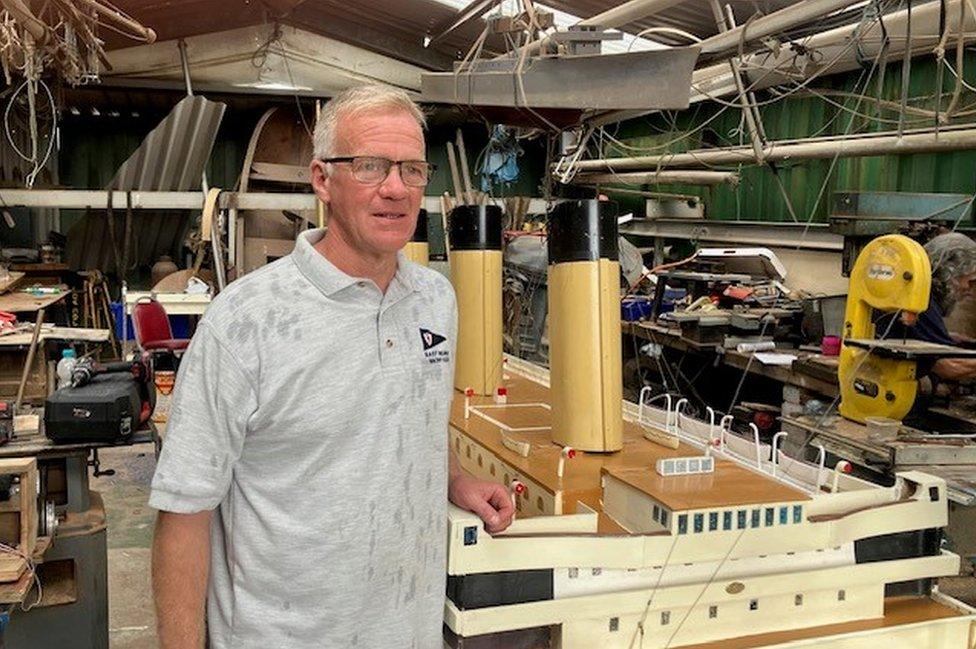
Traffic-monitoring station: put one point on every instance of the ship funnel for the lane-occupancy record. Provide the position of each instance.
(584, 326)
(476, 272)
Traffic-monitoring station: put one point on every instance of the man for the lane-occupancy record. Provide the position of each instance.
(305, 472)
(953, 259)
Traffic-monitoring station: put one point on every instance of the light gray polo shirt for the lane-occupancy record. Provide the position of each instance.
(312, 409)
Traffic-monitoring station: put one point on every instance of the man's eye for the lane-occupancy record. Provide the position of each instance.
(370, 165)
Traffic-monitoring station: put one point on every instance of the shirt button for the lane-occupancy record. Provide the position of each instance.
(389, 342)
(361, 284)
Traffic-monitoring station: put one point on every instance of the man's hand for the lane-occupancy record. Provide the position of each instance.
(489, 500)
(962, 339)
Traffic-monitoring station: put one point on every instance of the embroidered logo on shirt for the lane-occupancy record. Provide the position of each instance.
(430, 341)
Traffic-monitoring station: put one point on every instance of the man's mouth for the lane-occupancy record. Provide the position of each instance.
(389, 215)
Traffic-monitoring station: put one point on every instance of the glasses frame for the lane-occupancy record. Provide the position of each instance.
(393, 163)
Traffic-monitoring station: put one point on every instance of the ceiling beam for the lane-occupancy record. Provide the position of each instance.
(373, 39)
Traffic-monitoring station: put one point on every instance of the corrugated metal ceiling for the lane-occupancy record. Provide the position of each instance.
(395, 27)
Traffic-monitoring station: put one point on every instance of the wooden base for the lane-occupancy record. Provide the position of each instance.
(899, 611)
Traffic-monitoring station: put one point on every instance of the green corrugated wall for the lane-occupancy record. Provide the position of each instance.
(758, 197)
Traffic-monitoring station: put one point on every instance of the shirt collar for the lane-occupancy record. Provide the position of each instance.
(330, 280)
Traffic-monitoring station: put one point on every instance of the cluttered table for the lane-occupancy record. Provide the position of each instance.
(804, 369)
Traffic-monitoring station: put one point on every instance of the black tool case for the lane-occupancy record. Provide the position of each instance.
(107, 410)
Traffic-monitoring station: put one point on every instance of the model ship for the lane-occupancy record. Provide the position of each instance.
(638, 526)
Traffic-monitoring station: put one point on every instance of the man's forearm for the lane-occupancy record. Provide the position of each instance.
(955, 369)
(180, 571)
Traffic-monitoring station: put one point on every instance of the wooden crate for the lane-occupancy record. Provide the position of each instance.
(19, 527)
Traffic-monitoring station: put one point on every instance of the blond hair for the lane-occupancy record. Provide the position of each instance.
(358, 100)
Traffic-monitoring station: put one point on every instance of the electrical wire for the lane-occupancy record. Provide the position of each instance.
(32, 568)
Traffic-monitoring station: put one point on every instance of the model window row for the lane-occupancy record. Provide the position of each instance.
(740, 519)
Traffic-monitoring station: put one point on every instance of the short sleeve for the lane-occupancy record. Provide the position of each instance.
(213, 399)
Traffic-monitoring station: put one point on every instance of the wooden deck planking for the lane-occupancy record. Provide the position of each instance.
(583, 474)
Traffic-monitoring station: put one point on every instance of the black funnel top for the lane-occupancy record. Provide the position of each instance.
(476, 227)
(583, 230)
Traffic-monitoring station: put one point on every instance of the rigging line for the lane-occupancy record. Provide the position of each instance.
(752, 86)
(836, 157)
(727, 104)
(711, 580)
(639, 630)
(821, 72)
(745, 372)
(906, 70)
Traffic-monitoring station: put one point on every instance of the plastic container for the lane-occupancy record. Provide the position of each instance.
(165, 382)
(65, 367)
(830, 346)
(882, 429)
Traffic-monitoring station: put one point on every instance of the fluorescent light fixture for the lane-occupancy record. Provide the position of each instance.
(272, 85)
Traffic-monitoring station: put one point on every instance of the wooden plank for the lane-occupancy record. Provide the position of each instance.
(26, 423)
(12, 567)
(260, 251)
(17, 465)
(73, 334)
(13, 279)
(21, 302)
(15, 592)
(281, 173)
(28, 509)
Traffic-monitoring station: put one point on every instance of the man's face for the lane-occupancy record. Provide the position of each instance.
(964, 285)
(372, 220)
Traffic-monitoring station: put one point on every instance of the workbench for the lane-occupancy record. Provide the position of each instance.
(820, 378)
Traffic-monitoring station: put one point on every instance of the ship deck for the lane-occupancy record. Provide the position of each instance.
(527, 418)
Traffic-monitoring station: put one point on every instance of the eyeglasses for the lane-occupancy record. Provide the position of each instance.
(373, 171)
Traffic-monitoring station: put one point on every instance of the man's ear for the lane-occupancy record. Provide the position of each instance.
(319, 175)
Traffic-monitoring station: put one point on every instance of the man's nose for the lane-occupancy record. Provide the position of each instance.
(393, 186)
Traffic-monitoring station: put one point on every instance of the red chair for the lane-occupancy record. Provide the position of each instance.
(152, 328)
